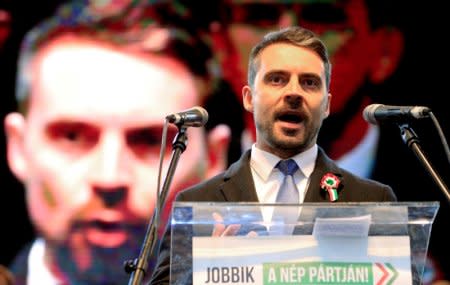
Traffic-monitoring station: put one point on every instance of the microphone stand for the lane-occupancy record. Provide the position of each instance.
(138, 267)
(412, 141)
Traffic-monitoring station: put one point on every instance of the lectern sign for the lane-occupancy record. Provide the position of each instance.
(315, 273)
(304, 259)
(361, 243)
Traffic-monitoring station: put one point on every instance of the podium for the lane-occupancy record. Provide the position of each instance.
(308, 243)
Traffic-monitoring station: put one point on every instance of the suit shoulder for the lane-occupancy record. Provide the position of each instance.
(201, 191)
(373, 189)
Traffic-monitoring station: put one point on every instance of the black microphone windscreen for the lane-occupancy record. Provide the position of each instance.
(369, 113)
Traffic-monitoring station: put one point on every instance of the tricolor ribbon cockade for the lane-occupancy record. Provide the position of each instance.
(330, 183)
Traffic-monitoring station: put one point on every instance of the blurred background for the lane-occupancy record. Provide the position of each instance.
(417, 60)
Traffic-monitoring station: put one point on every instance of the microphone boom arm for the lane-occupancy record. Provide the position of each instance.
(411, 140)
(138, 267)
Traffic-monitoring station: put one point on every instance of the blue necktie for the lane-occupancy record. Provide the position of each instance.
(283, 216)
(288, 192)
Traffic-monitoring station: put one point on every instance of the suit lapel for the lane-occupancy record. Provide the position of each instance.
(238, 183)
(323, 165)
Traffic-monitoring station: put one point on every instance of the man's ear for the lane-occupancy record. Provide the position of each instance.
(328, 106)
(14, 125)
(388, 46)
(247, 98)
(218, 140)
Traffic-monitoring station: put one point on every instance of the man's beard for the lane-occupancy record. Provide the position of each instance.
(106, 264)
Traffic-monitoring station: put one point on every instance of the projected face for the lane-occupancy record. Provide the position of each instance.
(359, 54)
(342, 25)
(88, 149)
(5, 26)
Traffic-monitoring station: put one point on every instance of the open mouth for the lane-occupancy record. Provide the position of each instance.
(108, 226)
(290, 117)
(107, 234)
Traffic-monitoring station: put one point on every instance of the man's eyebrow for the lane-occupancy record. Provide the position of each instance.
(310, 75)
(70, 123)
(276, 72)
(326, 13)
(284, 72)
(154, 130)
(150, 127)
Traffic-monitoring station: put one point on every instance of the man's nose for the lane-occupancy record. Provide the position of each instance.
(111, 167)
(110, 170)
(294, 85)
(111, 196)
(293, 94)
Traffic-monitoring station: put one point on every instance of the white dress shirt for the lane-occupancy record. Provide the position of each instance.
(38, 272)
(268, 179)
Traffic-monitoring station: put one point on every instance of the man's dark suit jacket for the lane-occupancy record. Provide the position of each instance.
(236, 185)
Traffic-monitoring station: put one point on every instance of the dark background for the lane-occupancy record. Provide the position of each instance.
(421, 79)
(15, 228)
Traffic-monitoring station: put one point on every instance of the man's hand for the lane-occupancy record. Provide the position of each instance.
(220, 229)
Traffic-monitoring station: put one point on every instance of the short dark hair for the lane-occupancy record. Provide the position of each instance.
(293, 35)
(131, 26)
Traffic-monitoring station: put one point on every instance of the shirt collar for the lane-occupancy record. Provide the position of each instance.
(263, 162)
(38, 272)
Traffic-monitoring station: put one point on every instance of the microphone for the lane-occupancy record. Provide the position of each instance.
(376, 113)
(193, 117)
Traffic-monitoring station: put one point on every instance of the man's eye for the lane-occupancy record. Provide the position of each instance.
(276, 79)
(145, 142)
(258, 14)
(323, 13)
(310, 83)
(73, 135)
(143, 138)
